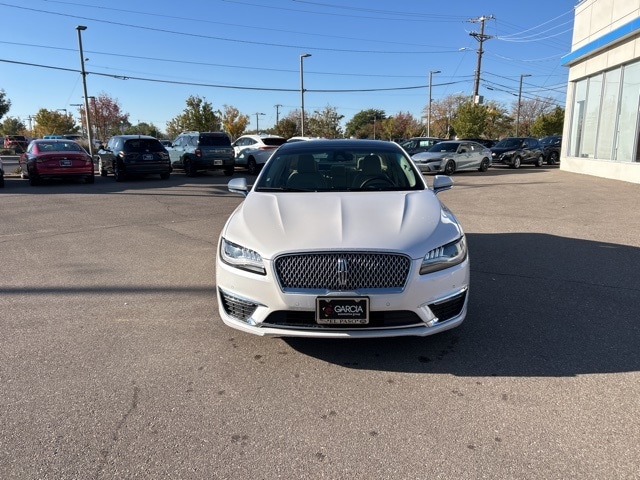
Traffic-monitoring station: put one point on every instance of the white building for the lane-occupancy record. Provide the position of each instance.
(603, 97)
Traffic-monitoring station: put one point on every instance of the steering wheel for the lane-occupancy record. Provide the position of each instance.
(378, 180)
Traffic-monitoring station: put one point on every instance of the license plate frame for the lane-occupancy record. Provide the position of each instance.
(147, 156)
(217, 162)
(336, 310)
(65, 163)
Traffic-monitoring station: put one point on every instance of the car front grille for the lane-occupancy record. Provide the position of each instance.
(342, 271)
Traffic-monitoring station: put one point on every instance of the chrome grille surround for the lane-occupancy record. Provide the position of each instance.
(342, 271)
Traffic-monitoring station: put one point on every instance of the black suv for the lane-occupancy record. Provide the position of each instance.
(515, 151)
(551, 146)
(419, 144)
(128, 155)
(195, 151)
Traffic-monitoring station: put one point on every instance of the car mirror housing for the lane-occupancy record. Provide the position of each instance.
(440, 183)
(238, 185)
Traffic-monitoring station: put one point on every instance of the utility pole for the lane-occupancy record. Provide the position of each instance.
(277, 113)
(480, 37)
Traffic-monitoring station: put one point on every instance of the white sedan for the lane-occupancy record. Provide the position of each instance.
(342, 238)
(453, 156)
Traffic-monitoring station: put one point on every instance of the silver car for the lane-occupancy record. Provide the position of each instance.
(452, 156)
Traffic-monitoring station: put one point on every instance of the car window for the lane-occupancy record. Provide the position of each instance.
(508, 143)
(333, 169)
(274, 141)
(444, 147)
(215, 141)
(143, 145)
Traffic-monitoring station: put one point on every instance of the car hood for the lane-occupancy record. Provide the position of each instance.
(426, 156)
(410, 222)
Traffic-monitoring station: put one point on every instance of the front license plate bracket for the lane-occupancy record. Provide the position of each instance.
(342, 310)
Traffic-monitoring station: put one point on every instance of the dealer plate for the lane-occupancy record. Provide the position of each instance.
(65, 163)
(147, 156)
(342, 310)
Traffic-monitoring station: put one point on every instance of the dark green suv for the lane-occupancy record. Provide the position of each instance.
(198, 151)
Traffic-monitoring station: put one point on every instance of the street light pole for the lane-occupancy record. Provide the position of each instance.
(304, 55)
(519, 102)
(80, 28)
(257, 125)
(429, 107)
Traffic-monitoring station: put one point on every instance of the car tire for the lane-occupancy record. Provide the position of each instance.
(539, 160)
(189, 168)
(117, 173)
(1, 181)
(450, 167)
(553, 158)
(34, 180)
(484, 165)
(517, 161)
(91, 179)
(252, 166)
(165, 176)
(228, 171)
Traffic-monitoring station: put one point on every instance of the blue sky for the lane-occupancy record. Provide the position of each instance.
(152, 55)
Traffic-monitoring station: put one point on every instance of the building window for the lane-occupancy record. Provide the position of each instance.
(604, 123)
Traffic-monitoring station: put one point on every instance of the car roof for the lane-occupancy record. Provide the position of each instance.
(378, 145)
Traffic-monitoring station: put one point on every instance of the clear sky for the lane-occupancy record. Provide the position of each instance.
(152, 55)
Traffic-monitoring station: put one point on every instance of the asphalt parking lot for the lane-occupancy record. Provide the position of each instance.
(115, 364)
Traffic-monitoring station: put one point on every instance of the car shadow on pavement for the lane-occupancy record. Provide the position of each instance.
(540, 305)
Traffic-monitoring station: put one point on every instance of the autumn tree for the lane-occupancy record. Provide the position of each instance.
(498, 123)
(400, 126)
(530, 109)
(443, 111)
(106, 115)
(52, 122)
(289, 125)
(325, 123)
(198, 116)
(234, 122)
(143, 128)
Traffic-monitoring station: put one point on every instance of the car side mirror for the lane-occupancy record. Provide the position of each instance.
(440, 183)
(238, 185)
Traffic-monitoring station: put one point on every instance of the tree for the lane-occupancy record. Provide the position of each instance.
(12, 126)
(400, 126)
(362, 124)
(234, 122)
(107, 118)
(498, 122)
(548, 124)
(288, 126)
(143, 128)
(198, 116)
(470, 120)
(325, 123)
(5, 103)
(52, 122)
(443, 112)
(530, 109)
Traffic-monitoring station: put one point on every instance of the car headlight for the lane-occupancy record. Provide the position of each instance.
(444, 257)
(241, 257)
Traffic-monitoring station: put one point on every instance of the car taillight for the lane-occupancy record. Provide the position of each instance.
(266, 147)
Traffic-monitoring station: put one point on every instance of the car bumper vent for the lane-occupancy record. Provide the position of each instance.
(342, 271)
(237, 307)
(450, 308)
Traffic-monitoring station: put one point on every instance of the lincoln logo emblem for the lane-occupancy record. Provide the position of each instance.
(343, 272)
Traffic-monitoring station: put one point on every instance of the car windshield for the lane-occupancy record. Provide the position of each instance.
(509, 143)
(143, 145)
(59, 147)
(444, 147)
(331, 168)
(215, 141)
(550, 141)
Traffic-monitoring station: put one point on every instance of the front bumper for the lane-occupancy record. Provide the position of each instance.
(430, 167)
(428, 304)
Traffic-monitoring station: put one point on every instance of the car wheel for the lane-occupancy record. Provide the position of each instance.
(516, 162)
(91, 179)
(34, 180)
(165, 176)
(1, 181)
(252, 166)
(189, 168)
(450, 167)
(540, 160)
(484, 165)
(228, 171)
(117, 173)
(553, 158)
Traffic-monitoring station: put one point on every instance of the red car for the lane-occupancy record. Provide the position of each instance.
(55, 159)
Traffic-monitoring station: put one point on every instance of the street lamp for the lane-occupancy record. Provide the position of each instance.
(257, 127)
(80, 28)
(429, 108)
(304, 55)
(519, 102)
